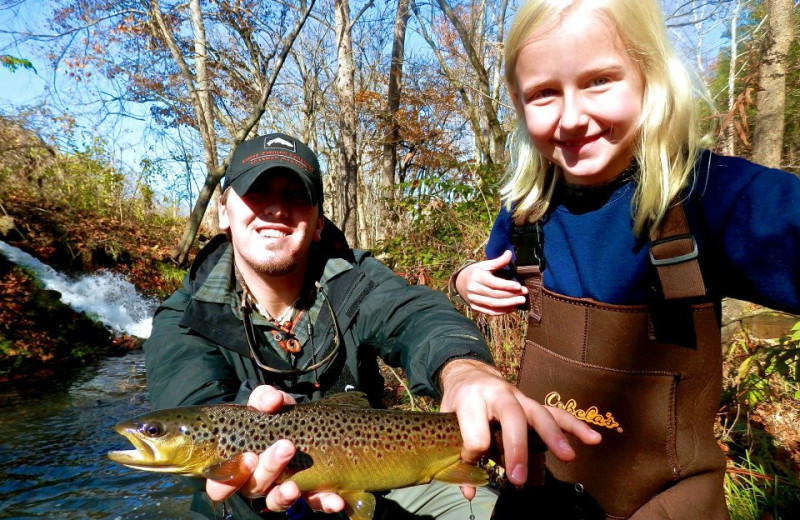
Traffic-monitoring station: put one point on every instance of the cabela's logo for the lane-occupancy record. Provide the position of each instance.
(591, 415)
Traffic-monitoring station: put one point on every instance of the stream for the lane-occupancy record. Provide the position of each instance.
(55, 438)
(55, 434)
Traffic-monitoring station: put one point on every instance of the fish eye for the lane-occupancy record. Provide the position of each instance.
(152, 429)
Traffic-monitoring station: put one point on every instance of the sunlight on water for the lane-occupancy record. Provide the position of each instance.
(106, 296)
(53, 460)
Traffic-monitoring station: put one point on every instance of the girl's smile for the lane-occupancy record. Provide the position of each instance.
(581, 96)
(575, 145)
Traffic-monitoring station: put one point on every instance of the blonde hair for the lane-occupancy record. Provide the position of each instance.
(668, 141)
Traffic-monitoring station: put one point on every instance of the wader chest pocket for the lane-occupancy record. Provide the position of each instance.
(633, 410)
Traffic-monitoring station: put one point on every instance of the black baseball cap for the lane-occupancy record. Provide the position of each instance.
(273, 152)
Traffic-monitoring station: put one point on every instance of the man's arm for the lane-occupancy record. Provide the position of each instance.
(416, 328)
(442, 350)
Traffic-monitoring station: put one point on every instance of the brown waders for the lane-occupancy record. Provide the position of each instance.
(648, 384)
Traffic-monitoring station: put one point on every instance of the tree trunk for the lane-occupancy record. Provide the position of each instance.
(215, 171)
(197, 84)
(347, 142)
(392, 137)
(475, 56)
(770, 105)
(729, 146)
(205, 116)
(482, 147)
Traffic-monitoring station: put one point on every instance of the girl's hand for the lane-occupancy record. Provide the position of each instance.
(487, 293)
(257, 472)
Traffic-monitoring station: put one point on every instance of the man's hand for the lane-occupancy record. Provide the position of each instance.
(478, 394)
(257, 472)
(487, 293)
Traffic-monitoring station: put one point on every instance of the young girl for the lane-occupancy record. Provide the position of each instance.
(625, 234)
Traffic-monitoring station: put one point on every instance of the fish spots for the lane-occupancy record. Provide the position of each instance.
(334, 442)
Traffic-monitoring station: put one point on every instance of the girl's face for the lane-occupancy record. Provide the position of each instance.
(581, 97)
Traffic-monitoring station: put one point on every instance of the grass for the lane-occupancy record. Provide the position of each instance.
(171, 275)
(754, 492)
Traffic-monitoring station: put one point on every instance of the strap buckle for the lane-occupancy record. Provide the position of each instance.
(691, 255)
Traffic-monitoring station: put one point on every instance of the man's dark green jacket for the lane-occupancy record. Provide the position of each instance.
(198, 352)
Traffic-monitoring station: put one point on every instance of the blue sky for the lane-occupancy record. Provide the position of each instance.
(127, 139)
(21, 87)
(24, 88)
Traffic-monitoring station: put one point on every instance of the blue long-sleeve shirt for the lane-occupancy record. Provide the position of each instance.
(745, 218)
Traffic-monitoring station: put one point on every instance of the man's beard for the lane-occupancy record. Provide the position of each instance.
(271, 260)
(275, 265)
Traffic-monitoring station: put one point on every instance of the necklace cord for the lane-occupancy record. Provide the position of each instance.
(252, 341)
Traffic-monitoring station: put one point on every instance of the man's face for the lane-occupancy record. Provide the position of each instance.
(273, 226)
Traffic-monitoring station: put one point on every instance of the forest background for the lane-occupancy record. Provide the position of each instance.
(117, 120)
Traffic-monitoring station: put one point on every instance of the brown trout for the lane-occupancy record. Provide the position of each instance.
(342, 446)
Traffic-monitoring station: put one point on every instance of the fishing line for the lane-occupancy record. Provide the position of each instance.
(226, 515)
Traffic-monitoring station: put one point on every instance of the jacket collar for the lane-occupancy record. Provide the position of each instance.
(219, 285)
(213, 280)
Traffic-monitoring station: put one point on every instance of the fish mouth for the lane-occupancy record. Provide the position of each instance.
(143, 456)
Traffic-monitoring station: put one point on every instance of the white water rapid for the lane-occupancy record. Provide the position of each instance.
(107, 297)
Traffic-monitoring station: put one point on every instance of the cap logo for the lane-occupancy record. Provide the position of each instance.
(254, 157)
(280, 142)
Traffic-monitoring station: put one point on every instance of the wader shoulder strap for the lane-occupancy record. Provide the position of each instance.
(528, 241)
(673, 252)
(532, 277)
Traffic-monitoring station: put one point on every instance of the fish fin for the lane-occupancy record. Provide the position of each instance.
(223, 471)
(464, 474)
(359, 505)
(352, 399)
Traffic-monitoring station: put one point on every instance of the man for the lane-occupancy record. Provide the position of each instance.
(280, 310)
